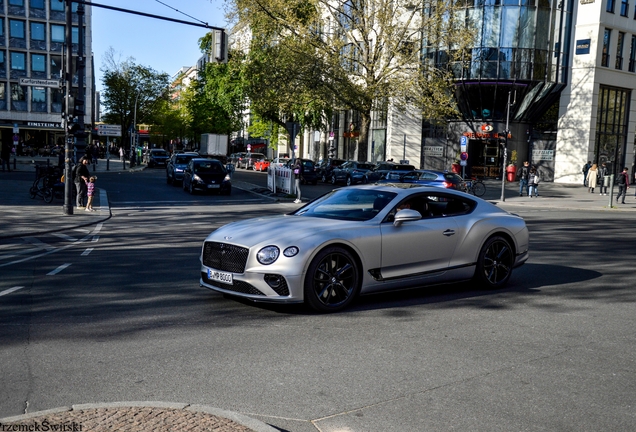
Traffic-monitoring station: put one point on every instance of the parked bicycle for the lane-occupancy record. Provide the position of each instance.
(47, 184)
(475, 186)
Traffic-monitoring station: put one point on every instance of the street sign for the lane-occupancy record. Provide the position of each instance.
(463, 142)
(463, 156)
(109, 130)
(463, 163)
(40, 82)
(292, 128)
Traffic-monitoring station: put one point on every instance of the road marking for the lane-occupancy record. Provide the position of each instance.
(64, 237)
(22, 252)
(59, 269)
(87, 251)
(37, 242)
(95, 239)
(10, 290)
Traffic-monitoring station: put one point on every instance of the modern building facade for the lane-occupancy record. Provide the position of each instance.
(32, 50)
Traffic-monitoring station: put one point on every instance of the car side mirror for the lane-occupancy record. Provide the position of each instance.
(406, 215)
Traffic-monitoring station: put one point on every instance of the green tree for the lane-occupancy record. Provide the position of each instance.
(128, 85)
(308, 55)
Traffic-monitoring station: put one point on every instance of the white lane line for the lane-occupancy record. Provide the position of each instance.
(64, 237)
(18, 253)
(38, 243)
(59, 269)
(10, 290)
(95, 239)
(87, 251)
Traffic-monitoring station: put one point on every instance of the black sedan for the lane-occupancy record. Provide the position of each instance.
(158, 157)
(351, 172)
(206, 175)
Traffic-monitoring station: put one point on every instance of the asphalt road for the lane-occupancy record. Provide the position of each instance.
(120, 316)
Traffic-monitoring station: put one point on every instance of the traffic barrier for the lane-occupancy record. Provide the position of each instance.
(279, 179)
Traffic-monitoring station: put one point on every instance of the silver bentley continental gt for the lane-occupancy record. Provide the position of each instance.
(365, 239)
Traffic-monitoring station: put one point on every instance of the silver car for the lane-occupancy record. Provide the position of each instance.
(365, 239)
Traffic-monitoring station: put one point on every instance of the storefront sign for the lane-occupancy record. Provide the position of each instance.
(493, 135)
(433, 151)
(582, 46)
(40, 82)
(587, 1)
(539, 155)
(44, 125)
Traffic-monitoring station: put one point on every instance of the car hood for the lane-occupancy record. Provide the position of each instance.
(278, 230)
(208, 177)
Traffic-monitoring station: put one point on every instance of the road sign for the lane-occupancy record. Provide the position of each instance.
(462, 163)
(109, 130)
(463, 142)
(40, 82)
(463, 156)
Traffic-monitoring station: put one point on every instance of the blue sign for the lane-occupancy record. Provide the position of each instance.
(583, 46)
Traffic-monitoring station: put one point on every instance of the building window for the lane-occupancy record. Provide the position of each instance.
(18, 97)
(16, 29)
(610, 6)
(36, 4)
(619, 50)
(632, 55)
(611, 127)
(1, 26)
(16, 2)
(56, 100)
(38, 32)
(57, 5)
(57, 33)
(3, 70)
(3, 96)
(18, 61)
(38, 63)
(624, 7)
(38, 99)
(56, 66)
(606, 43)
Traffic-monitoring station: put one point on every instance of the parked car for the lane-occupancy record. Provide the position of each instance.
(247, 161)
(309, 171)
(325, 168)
(177, 165)
(206, 175)
(364, 239)
(158, 157)
(382, 168)
(433, 178)
(351, 172)
(236, 158)
(279, 162)
(261, 164)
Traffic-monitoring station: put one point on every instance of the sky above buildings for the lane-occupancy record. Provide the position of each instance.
(162, 45)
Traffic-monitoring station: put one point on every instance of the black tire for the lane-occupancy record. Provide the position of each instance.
(494, 265)
(332, 281)
(190, 188)
(324, 178)
(349, 182)
(333, 179)
(479, 189)
(33, 192)
(47, 194)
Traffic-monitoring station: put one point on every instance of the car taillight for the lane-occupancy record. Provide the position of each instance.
(448, 185)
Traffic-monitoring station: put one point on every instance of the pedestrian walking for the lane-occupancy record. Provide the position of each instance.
(121, 154)
(592, 178)
(623, 185)
(298, 173)
(90, 191)
(603, 179)
(523, 174)
(533, 182)
(81, 178)
(584, 170)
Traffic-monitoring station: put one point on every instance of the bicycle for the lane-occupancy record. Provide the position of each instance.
(475, 186)
(47, 184)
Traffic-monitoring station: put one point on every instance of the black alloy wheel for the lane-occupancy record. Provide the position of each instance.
(332, 281)
(333, 179)
(495, 262)
(349, 181)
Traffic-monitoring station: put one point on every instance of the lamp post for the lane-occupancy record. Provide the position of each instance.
(505, 149)
(133, 133)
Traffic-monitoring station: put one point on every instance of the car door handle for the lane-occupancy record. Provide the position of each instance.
(449, 232)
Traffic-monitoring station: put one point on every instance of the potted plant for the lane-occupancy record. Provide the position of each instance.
(511, 169)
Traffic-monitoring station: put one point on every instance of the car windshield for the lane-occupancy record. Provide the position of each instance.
(347, 204)
(208, 167)
(159, 153)
(365, 166)
(183, 160)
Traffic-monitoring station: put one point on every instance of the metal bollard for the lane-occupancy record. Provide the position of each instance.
(611, 194)
(15, 162)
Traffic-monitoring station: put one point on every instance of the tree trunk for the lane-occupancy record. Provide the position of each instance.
(363, 139)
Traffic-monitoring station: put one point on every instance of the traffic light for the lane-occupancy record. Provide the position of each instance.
(72, 127)
(78, 107)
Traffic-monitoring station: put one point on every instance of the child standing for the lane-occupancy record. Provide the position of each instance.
(90, 192)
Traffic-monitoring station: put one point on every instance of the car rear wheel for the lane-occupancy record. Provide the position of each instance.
(495, 262)
(333, 179)
(332, 281)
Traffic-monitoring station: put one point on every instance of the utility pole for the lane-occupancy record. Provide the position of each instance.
(66, 114)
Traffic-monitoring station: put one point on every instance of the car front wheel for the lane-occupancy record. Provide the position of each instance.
(348, 181)
(332, 281)
(495, 262)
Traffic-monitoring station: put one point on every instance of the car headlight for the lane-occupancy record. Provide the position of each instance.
(291, 251)
(227, 178)
(196, 178)
(178, 169)
(267, 255)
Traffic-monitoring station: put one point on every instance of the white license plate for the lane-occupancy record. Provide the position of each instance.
(214, 186)
(219, 276)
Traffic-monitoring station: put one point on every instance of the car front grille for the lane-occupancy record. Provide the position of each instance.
(237, 286)
(225, 257)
